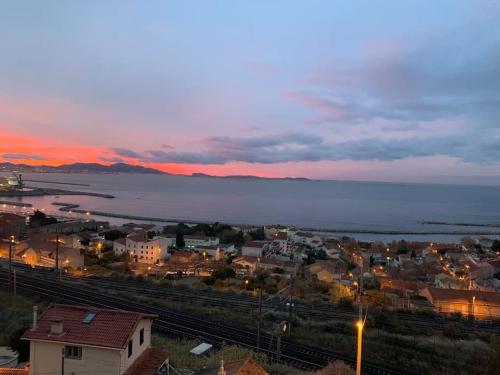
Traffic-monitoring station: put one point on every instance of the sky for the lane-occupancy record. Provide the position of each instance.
(383, 90)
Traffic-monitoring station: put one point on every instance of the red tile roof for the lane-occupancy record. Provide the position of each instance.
(280, 236)
(246, 258)
(14, 371)
(137, 237)
(109, 328)
(255, 244)
(491, 298)
(121, 241)
(148, 362)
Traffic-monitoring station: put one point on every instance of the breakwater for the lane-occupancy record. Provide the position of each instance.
(37, 192)
(72, 207)
(16, 204)
(429, 222)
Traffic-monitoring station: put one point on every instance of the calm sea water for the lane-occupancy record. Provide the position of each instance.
(319, 204)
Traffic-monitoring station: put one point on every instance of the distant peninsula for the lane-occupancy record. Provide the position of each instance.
(118, 168)
(250, 177)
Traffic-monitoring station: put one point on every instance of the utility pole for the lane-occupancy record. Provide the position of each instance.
(259, 320)
(14, 276)
(290, 305)
(62, 362)
(57, 251)
(11, 241)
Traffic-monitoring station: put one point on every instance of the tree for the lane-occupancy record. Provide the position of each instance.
(179, 235)
(21, 346)
(495, 246)
(179, 239)
(39, 219)
(413, 254)
(403, 249)
(113, 235)
(258, 234)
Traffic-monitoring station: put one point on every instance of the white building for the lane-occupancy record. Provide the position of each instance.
(281, 239)
(306, 238)
(87, 340)
(212, 251)
(191, 241)
(253, 248)
(142, 249)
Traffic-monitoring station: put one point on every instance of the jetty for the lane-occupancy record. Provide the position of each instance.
(37, 192)
(16, 204)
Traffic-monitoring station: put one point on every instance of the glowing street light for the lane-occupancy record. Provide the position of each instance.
(360, 325)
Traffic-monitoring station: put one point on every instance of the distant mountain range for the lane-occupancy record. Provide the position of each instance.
(79, 168)
(249, 177)
(113, 168)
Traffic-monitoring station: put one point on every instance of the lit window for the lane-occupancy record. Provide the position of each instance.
(73, 352)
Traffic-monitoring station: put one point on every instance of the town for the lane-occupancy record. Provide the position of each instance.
(285, 286)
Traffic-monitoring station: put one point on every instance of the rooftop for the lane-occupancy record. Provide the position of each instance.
(255, 244)
(14, 371)
(108, 328)
(148, 362)
(454, 294)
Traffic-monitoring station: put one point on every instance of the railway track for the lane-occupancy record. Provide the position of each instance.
(173, 323)
(318, 312)
(247, 302)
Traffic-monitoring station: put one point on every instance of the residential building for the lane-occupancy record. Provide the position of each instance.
(253, 248)
(467, 302)
(327, 270)
(142, 249)
(89, 340)
(120, 246)
(184, 257)
(213, 251)
(191, 241)
(281, 239)
(481, 270)
(306, 238)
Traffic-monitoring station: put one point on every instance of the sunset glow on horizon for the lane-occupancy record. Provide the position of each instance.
(326, 89)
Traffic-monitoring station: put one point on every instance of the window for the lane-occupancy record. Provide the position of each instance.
(130, 347)
(89, 317)
(141, 336)
(73, 352)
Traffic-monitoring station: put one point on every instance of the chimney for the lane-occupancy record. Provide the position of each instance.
(35, 317)
(56, 327)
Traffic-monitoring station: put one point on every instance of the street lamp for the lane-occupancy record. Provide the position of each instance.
(246, 283)
(360, 325)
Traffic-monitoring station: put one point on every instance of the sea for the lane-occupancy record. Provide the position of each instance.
(380, 211)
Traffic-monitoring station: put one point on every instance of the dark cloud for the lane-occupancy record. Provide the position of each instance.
(445, 77)
(293, 147)
(23, 156)
(125, 152)
(159, 156)
(112, 159)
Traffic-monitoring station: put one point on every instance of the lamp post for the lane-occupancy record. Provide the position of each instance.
(360, 325)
